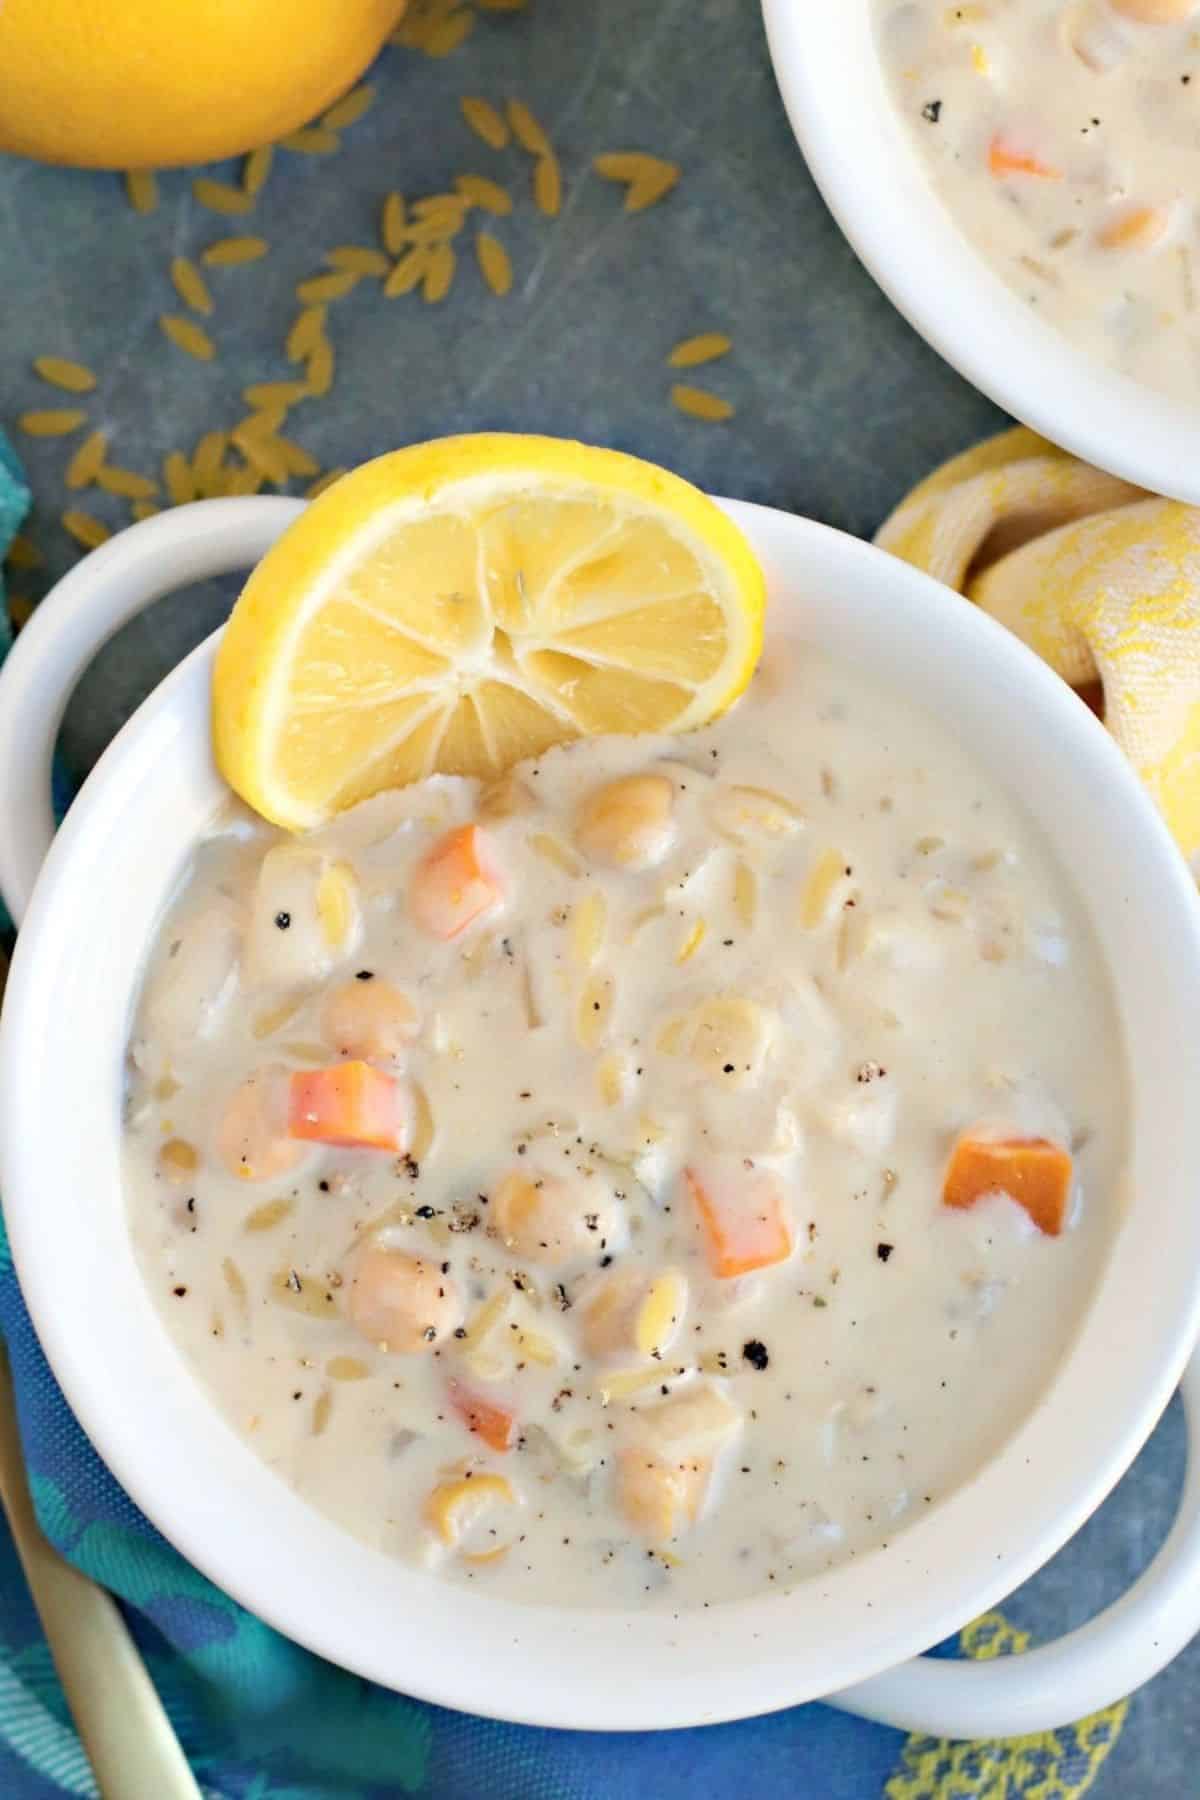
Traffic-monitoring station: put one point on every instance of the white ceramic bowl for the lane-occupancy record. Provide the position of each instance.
(92, 916)
(870, 173)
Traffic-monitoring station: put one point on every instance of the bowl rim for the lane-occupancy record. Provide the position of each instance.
(871, 177)
(233, 1518)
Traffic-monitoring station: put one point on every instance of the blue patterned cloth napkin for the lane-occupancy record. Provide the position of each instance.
(262, 1719)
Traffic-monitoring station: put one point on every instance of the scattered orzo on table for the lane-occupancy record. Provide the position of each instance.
(142, 189)
(439, 273)
(126, 483)
(319, 289)
(312, 141)
(360, 259)
(350, 108)
(478, 190)
(485, 121)
(87, 461)
(494, 262)
(219, 197)
(393, 224)
(416, 251)
(86, 528)
(256, 168)
(706, 347)
(647, 178)
(698, 403)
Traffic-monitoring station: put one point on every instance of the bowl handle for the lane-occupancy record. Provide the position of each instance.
(1101, 1662)
(85, 609)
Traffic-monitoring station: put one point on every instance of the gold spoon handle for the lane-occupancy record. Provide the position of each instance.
(129, 1740)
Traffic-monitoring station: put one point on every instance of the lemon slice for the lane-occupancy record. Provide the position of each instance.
(460, 605)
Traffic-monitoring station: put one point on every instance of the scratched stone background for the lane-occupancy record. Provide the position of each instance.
(840, 407)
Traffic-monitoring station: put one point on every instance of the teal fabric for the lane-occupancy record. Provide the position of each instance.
(15, 501)
(14, 504)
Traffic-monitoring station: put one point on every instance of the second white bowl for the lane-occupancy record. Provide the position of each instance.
(875, 185)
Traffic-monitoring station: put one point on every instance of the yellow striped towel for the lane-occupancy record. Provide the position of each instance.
(1099, 577)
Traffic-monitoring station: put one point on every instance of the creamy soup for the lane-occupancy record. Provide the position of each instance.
(667, 1172)
(1064, 136)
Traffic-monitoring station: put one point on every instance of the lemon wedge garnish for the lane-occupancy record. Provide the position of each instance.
(464, 604)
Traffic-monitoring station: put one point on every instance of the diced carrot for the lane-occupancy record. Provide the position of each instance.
(351, 1104)
(744, 1215)
(1005, 158)
(1033, 1172)
(454, 883)
(495, 1424)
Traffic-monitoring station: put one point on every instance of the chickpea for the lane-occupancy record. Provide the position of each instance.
(660, 1498)
(608, 1311)
(369, 1020)
(547, 1220)
(630, 1311)
(402, 1303)
(252, 1137)
(628, 824)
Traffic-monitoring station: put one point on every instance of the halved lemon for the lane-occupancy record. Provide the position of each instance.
(460, 605)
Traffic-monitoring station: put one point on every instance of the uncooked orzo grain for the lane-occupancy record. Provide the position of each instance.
(547, 186)
(87, 461)
(190, 285)
(706, 347)
(485, 121)
(393, 224)
(527, 130)
(305, 334)
(256, 168)
(142, 189)
(219, 197)
(494, 262)
(647, 178)
(126, 483)
(408, 272)
(61, 373)
(477, 190)
(439, 273)
(227, 252)
(186, 335)
(178, 479)
(349, 109)
(310, 141)
(86, 528)
(51, 422)
(359, 259)
(319, 289)
(698, 403)
(319, 367)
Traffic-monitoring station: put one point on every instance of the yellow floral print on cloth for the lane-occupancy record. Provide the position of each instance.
(1100, 578)
(1050, 1765)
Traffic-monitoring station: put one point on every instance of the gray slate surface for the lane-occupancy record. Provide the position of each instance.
(840, 406)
